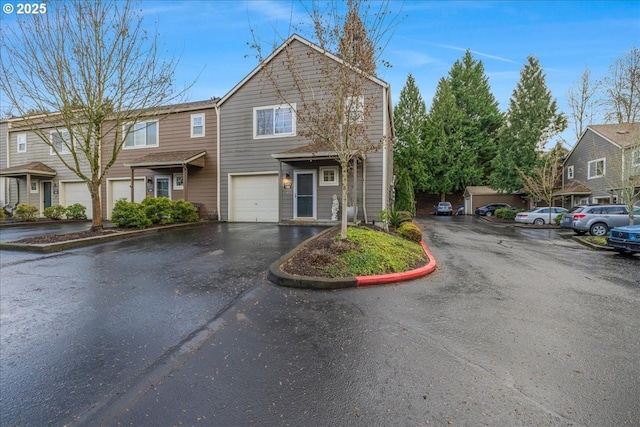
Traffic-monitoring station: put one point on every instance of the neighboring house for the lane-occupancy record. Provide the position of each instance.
(269, 173)
(32, 173)
(603, 157)
(171, 154)
(480, 195)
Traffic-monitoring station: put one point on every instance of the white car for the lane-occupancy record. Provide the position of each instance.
(539, 216)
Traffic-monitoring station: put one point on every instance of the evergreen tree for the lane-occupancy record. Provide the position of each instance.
(482, 117)
(531, 121)
(409, 116)
(452, 163)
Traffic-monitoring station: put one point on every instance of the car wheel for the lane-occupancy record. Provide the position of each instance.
(538, 221)
(489, 213)
(599, 229)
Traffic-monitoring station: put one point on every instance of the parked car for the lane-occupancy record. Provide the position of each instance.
(490, 209)
(625, 239)
(539, 216)
(598, 219)
(443, 208)
(567, 217)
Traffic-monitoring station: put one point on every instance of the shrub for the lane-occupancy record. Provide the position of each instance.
(410, 231)
(405, 196)
(25, 212)
(158, 209)
(54, 212)
(404, 216)
(390, 216)
(129, 215)
(558, 218)
(3, 215)
(184, 211)
(76, 211)
(506, 213)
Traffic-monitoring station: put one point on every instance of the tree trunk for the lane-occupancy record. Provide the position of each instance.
(345, 190)
(96, 222)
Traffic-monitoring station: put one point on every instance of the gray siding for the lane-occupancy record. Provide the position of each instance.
(591, 147)
(241, 153)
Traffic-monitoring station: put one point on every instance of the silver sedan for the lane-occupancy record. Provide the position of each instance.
(539, 216)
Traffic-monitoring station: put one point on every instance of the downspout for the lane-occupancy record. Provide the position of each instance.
(385, 160)
(364, 188)
(355, 189)
(217, 108)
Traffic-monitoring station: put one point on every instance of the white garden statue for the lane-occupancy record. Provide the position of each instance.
(335, 207)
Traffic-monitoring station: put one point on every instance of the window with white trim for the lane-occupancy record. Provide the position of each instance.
(34, 186)
(355, 106)
(197, 125)
(328, 175)
(178, 181)
(141, 135)
(635, 158)
(61, 141)
(596, 168)
(274, 121)
(570, 172)
(21, 142)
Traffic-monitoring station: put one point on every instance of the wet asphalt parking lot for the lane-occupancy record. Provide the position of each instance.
(515, 327)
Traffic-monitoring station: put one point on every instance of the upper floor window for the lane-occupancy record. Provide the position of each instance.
(273, 121)
(197, 125)
(635, 158)
(597, 168)
(570, 172)
(61, 141)
(355, 108)
(22, 142)
(141, 135)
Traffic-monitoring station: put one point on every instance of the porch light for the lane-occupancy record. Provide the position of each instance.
(286, 181)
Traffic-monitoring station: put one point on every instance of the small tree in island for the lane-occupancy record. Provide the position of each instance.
(333, 110)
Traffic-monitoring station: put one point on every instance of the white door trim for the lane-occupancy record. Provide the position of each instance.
(314, 196)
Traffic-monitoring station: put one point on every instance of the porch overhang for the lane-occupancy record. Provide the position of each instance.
(35, 169)
(169, 160)
(573, 190)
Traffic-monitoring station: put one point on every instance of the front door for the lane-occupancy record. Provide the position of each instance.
(163, 186)
(304, 203)
(46, 194)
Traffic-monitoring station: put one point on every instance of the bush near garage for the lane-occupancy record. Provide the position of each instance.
(506, 213)
(54, 212)
(25, 212)
(76, 211)
(158, 209)
(129, 215)
(184, 211)
(410, 231)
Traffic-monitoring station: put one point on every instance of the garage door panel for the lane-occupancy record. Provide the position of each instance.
(254, 198)
(77, 192)
(120, 189)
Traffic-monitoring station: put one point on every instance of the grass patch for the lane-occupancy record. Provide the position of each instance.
(370, 252)
(596, 240)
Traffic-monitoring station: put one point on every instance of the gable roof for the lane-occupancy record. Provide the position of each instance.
(33, 168)
(622, 135)
(282, 47)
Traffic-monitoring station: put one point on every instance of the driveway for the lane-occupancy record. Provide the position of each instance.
(81, 325)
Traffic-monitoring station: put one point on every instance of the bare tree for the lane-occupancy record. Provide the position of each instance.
(545, 177)
(582, 100)
(622, 89)
(333, 97)
(90, 70)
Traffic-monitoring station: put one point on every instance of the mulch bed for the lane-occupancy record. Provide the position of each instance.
(58, 238)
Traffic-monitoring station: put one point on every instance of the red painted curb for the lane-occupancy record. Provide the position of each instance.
(382, 279)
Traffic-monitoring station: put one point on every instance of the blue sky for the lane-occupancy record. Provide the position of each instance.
(212, 38)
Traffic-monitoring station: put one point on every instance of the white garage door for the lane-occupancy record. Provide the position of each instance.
(119, 189)
(76, 192)
(253, 198)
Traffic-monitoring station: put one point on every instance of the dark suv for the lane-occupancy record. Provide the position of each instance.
(598, 219)
(490, 209)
